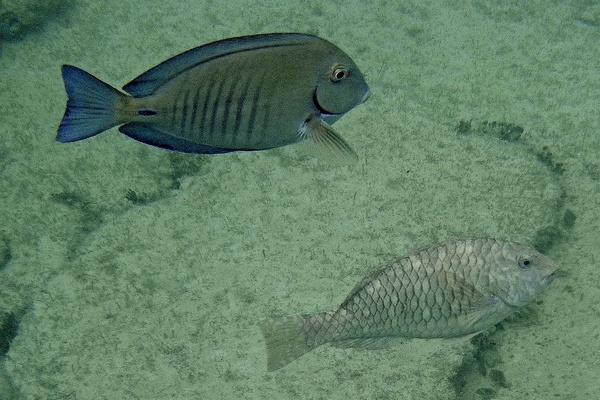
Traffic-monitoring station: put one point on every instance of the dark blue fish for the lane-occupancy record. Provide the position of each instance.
(240, 94)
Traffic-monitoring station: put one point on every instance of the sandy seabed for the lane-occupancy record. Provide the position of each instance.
(130, 272)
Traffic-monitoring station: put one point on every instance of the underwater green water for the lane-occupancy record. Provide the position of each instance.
(132, 272)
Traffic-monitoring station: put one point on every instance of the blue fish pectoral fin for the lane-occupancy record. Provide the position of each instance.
(326, 143)
(91, 105)
(147, 134)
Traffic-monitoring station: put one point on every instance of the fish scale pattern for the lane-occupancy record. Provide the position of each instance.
(408, 298)
(451, 289)
(430, 293)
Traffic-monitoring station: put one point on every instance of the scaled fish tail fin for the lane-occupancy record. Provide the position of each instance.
(286, 340)
(90, 107)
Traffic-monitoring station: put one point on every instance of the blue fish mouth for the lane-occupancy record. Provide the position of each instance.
(325, 112)
(320, 109)
(366, 96)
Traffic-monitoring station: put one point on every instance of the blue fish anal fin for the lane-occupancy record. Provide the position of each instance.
(146, 134)
(90, 105)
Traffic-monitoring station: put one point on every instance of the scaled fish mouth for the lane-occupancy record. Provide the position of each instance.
(552, 275)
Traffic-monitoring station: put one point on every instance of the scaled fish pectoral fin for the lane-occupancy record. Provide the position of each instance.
(326, 143)
(463, 338)
(480, 303)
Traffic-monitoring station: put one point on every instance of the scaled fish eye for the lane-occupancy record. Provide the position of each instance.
(338, 73)
(524, 262)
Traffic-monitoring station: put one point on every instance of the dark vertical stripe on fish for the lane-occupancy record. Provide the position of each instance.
(205, 107)
(173, 114)
(193, 109)
(194, 131)
(241, 100)
(266, 110)
(184, 111)
(214, 110)
(177, 111)
(210, 100)
(253, 108)
(228, 104)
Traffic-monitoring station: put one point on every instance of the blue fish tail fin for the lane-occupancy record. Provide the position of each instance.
(90, 108)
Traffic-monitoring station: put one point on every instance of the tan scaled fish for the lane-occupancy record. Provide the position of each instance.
(453, 289)
(239, 94)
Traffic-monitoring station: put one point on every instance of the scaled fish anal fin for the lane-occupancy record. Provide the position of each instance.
(326, 143)
(376, 343)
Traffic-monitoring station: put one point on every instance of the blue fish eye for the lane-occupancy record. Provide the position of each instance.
(338, 73)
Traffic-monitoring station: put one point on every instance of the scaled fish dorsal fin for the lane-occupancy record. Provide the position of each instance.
(149, 81)
(367, 279)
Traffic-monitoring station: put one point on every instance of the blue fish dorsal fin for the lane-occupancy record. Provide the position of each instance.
(149, 81)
